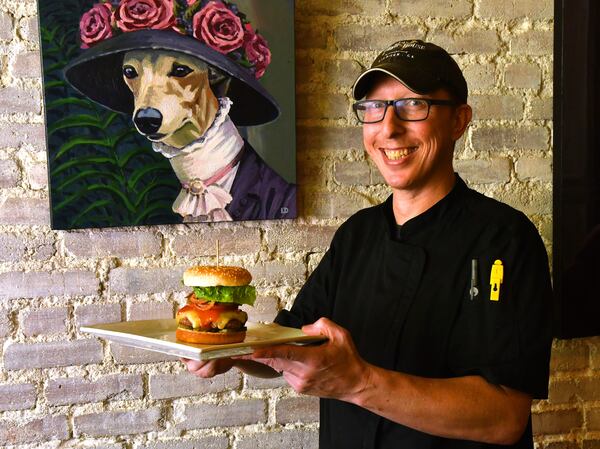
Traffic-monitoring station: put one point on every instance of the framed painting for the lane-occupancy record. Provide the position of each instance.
(168, 111)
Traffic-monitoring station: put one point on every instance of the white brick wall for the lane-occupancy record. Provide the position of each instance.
(59, 387)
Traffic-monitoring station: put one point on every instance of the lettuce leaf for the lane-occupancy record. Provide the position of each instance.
(245, 294)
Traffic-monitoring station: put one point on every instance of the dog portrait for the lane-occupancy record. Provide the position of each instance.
(168, 111)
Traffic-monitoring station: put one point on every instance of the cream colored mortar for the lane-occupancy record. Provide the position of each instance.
(26, 156)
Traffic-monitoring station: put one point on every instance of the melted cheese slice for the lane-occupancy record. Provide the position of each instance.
(205, 318)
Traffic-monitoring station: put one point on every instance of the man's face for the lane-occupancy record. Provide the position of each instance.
(413, 155)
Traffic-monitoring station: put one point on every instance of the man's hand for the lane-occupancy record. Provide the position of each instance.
(210, 368)
(333, 369)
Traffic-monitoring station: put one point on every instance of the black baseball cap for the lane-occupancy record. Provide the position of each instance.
(421, 66)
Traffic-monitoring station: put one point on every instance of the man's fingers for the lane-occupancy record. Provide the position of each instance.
(322, 326)
(193, 365)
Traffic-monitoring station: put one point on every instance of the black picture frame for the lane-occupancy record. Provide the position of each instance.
(576, 192)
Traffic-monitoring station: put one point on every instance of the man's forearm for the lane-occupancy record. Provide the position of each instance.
(466, 408)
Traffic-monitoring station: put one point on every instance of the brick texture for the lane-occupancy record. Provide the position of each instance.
(569, 355)
(555, 422)
(264, 309)
(45, 355)
(534, 42)
(231, 241)
(28, 65)
(118, 423)
(534, 168)
(299, 237)
(312, 138)
(113, 243)
(302, 409)
(67, 391)
(44, 321)
(24, 211)
(480, 171)
(240, 413)
(338, 7)
(523, 76)
(218, 442)
(86, 315)
(17, 396)
(487, 139)
(5, 323)
(572, 390)
(125, 355)
(515, 9)
(497, 107)
(134, 281)
(165, 386)
(298, 439)
(14, 100)
(150, 311)
(6, 26)
(37, 430)
(9, 174)
(19, 134)
(36, 284)
(452, 9)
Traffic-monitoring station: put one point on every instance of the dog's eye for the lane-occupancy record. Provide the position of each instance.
(129, 72)
(179, 70)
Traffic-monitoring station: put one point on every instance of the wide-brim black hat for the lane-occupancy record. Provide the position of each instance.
(97, 73)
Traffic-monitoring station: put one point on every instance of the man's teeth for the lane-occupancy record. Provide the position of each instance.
(395, 155)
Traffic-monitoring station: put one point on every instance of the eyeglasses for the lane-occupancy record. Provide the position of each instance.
(407, 109)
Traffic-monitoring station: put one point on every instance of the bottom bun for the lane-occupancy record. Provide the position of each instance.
(209, 338)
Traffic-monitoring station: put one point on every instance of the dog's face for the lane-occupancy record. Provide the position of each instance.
(174, 103)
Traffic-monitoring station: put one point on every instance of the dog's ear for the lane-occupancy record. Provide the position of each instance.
(219, 82)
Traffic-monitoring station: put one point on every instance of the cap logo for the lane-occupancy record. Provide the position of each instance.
(397, 54)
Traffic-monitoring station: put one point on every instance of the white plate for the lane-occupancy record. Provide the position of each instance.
(159, 336)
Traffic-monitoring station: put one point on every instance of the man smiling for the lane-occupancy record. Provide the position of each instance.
(436, 303)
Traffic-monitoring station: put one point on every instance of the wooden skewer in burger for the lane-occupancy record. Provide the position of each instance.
(212, 315)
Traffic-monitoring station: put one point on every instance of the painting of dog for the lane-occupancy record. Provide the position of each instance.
(189, 99)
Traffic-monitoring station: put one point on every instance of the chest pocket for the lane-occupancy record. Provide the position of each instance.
(485, 331)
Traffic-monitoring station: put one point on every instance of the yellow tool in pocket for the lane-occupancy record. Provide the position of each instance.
(496, 278)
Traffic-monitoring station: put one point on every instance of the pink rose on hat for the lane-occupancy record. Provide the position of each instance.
(218, 27)
(96, 24)
(132, 15)
(257, 51)
(217, 23)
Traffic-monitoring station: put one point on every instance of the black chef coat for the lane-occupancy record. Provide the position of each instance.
(403, 293)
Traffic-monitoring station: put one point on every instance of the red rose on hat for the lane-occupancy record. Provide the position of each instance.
(133, 15)
(257, 51)
(218, 27)
(95, 25)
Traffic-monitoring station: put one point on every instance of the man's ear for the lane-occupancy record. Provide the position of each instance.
(462, 117)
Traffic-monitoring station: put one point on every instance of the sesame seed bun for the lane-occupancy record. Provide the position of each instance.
(213, 276)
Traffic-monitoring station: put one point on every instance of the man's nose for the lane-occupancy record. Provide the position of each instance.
(148, 120)
(391, 124)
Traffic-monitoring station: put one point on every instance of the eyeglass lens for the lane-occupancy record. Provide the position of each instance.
(371, 111)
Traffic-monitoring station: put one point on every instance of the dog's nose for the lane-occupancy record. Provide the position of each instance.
(148, 120)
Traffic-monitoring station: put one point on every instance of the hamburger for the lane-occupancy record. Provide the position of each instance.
(212, 314)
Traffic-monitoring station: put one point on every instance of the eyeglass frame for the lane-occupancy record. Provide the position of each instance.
(388, 103)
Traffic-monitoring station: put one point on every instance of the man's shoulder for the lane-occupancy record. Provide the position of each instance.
(363, 222)
(493, 212)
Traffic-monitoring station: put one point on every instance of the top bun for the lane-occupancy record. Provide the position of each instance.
(213, 276)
